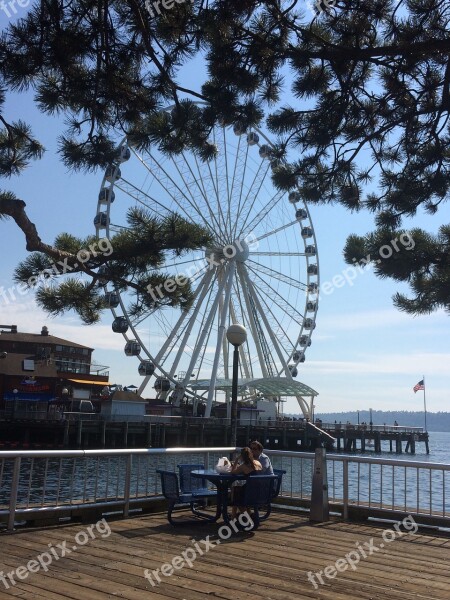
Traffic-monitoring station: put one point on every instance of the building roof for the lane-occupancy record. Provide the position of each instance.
(269, 386)
(37, 338)
(125, 396)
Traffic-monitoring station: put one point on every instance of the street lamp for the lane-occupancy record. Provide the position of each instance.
(371, 422)
(236, 335)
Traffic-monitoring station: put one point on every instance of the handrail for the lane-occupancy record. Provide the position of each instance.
(106, 479)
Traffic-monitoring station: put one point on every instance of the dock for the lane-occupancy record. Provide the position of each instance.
(93, 431)
(271, 563)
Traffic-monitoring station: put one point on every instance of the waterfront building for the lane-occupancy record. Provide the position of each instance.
(41, 374)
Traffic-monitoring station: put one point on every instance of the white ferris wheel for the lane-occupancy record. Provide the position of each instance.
(262, 270)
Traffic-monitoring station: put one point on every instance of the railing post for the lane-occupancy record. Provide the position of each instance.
(126, 498)
(14, 492)
(345, 486)
(319, 511)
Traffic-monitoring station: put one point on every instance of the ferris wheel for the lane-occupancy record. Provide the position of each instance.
(261, 270)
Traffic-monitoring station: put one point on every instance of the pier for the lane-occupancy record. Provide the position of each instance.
(75, 430)
(366, 438)
(100, 518)
(271, 564)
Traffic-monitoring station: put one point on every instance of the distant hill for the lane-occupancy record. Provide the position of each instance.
(436, 421)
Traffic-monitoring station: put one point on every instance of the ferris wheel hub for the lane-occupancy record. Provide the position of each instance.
(238, 251)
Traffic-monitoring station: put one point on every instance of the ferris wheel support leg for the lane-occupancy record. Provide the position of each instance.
(203, 335)
(252, 323)
(305, 408)
(203, 286)
(143, 385)
(220, 336)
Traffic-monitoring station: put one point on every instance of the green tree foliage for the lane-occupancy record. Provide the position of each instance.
(363, 116)
(131, 259)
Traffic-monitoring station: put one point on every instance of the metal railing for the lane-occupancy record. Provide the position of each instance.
(369, 428)
(377, 484)
(40, 482)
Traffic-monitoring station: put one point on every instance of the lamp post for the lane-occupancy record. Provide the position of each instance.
(371, 422)
(236, 335)
(65, 394)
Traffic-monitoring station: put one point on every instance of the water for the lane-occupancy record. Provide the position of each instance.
(439, 449)
(104, 478)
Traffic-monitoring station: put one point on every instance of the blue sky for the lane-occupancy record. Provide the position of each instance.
(364, 353)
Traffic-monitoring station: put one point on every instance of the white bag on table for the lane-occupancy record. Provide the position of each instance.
(223, 465)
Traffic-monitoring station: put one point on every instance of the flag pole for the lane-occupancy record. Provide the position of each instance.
(424, 404)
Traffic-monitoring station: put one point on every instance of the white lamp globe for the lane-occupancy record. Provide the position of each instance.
(236, 334)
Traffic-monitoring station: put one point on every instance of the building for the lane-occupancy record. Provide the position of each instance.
(40, 374)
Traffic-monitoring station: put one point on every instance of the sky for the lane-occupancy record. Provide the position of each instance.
(364, 353)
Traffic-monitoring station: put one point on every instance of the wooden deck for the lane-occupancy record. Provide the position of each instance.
(270, 564)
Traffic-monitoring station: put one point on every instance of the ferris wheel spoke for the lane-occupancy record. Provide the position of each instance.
(252, 196)
(278, 349)
(139, 196)
(238, 175)
(277, 275)
(262, 214)
(274, 231)
(202, 360)
(280, 329)
(287, 308)
(252, 322)
(224, 342)
(170, 186)
(245, 355)
(176, 329)
(227, 181)
(228, 278)
(214, 183)
(191, 322)
(205, 329)
(280, 254)
(178, 263)
(241, 190)
(202, 193)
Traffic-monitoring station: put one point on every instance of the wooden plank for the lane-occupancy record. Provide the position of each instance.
(277, 559)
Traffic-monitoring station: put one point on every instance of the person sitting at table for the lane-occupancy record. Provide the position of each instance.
(258, 454)
(245, 464)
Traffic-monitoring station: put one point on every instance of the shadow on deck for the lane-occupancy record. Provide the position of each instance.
(271, 564)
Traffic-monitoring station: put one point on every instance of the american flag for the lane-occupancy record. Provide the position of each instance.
(419, 386)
